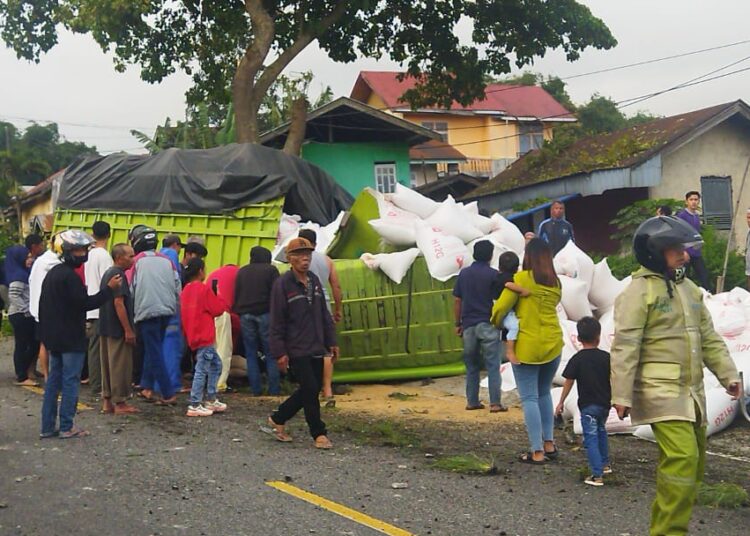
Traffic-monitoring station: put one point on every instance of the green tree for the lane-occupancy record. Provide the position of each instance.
(251, 43)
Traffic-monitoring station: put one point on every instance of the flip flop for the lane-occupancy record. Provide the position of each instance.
(147, 399)
(27, 383)
(528, 457)
(74, 433)
(498, 408)
(472, 408)
(323, 443)
(169, 402)
(273, 430)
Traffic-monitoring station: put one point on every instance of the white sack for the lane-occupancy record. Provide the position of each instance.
(327, 233)
(394, 265)
(575, 298)
(607, 322)
(498, 249)
(571, 402)
(397, 234)
(453, 220)
(720, 410)
(507, 233)
(644, 431)
(483, 223)
(613, 425)
(605, 287)
(412, 201)
(445, 254)
(728, 316)
(508, 381)
(288, 227)
(573, 262)
(743, 365)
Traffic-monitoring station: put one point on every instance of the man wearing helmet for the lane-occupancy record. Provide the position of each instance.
(663, 338)
(62, 328)
(156, 290)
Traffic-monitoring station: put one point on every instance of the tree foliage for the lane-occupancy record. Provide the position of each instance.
(29, 156)
(250, 43)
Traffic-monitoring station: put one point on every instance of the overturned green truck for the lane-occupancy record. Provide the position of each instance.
(233, 197)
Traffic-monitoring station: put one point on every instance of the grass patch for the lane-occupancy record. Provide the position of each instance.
(401, 396)
(381, 433)
(722, 495)
(468, 464)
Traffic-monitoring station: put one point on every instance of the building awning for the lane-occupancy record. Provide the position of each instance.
(537, 208)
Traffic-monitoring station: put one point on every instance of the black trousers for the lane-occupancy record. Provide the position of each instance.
(309, 374)
(27, 347)
(698, 267)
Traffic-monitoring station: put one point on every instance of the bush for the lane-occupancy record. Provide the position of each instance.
(629, 218)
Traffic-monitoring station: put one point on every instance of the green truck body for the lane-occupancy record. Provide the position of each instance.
(388, 331)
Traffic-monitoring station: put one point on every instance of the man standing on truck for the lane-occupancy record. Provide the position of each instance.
(556, 230)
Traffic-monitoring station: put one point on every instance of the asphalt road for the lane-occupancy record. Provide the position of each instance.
(162, 473)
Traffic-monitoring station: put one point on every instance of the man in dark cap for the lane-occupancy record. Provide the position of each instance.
(252, 302)
(477, 287)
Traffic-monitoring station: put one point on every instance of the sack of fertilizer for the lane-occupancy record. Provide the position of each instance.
(411, 201)
(727, 315)
(613, 425)
(452, 219)
(605, 287)
(498, 249)
(575, 298)
(720, 412)
(571, 402)
(743, 365)
(506, 233)
(288, 227)
(395, 225)
(573, 262)
(445, 254)
(507, 379)
(607, 336)
(327, 233)
(394, 265)
(483, 223)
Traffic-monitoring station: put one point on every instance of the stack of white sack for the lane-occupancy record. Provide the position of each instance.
(290, 226)
(444, 233)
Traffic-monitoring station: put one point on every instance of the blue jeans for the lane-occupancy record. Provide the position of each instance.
(173, 349)
(206, 376)
(534, 384)
(254, 336)
(151, 338)
(593, 421)
(482, 341)
(64, 375)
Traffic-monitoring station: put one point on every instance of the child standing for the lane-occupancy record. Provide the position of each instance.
(199, 307)
(590, 368)
(508, 267)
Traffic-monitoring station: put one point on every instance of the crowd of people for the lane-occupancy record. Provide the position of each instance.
(132, 321)
(139, 319)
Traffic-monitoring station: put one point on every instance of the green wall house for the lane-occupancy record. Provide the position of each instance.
(357, 144)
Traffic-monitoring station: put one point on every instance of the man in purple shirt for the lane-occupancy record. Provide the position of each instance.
(691, 215)
(477, 287)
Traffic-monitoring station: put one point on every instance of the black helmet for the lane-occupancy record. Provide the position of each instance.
(143, 238)
(66, 241)
(657, 234)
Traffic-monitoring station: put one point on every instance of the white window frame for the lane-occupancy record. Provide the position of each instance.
(385, 177)
(533, 134)
(441, 127)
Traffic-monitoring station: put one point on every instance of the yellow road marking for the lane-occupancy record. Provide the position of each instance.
(38, 390)
(336, 508)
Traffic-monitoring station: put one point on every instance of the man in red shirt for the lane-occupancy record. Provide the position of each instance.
(199, 308)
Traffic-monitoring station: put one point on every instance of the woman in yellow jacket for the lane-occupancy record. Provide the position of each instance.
(538, 345)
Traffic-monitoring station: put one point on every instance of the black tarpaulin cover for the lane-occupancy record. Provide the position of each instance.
(199, 181)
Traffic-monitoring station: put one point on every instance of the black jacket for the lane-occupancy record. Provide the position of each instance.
(62, 310)
(299, 328)
(252, 288)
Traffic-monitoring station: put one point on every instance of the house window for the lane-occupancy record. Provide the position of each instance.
(385, 177)
(530, 137)
(441, 127)
(716, 198)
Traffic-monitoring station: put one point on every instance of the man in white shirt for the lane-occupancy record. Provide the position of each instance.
(99, 262)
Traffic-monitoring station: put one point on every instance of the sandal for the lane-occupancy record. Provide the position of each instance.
(170, 402)
(322, 442)
(498, 408)
(28, 382)
(528, 457)
(472, 408)
(278, 432)
(74, 432)
(147, 399)
(552, 455)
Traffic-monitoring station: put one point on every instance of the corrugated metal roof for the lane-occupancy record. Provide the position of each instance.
(624, 148)
(435, 150)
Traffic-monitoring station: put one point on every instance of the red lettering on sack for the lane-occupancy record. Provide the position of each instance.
(437, 249)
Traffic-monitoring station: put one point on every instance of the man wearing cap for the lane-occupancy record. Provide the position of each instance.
(301, 334)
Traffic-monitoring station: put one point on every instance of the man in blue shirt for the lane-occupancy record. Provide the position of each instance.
(477, 287)
(556, 230)
(691, 215)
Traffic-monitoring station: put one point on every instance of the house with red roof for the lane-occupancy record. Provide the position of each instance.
(480, 139)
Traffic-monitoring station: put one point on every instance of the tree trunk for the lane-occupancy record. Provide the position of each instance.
(297, 126)
(246, 105)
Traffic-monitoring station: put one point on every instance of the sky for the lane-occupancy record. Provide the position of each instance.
(76, 85)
